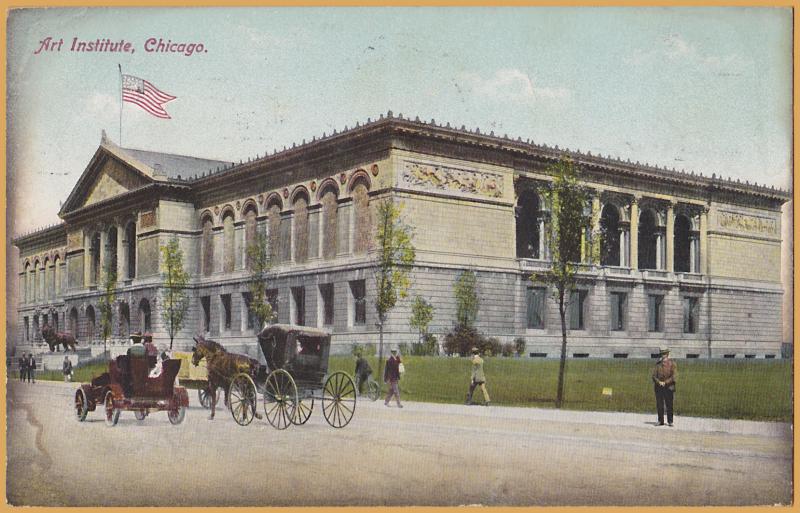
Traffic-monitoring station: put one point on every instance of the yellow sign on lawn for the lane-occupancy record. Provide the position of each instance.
(607, 391)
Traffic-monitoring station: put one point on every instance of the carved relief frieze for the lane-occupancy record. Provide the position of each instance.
(452, 179)
(148, 219)
(739, 222)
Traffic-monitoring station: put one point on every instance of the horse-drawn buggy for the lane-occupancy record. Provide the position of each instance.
(128, 386)
(294, 379)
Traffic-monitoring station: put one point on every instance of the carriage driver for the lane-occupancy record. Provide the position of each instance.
(136, 349)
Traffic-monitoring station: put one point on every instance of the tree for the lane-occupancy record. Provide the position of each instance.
(175, 300)
(106, 303)
(467, 301)
(258, 262)
(566, 200)
(421, 315)
(395, 257)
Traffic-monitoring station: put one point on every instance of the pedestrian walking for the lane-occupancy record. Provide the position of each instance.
(478, 378)
(67, 369)
(31, 368)
(363, 370)
(664, 375)
(391, 376)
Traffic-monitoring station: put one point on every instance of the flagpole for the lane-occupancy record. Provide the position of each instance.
(120, 103)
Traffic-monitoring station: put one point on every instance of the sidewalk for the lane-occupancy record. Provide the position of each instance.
(605, 418)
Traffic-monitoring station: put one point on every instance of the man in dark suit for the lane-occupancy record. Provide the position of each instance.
(664, 375)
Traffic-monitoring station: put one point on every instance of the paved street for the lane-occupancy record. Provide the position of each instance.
(424, 454)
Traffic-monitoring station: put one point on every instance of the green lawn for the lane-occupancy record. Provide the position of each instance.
(740, 389)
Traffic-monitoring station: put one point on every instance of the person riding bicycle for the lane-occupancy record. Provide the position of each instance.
(363, 371)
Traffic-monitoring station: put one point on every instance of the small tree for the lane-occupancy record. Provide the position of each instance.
(106, 303)
(566, 200)
(421, 316)
(175, 300)
(467, 301)
(258, 262)
(395, 257)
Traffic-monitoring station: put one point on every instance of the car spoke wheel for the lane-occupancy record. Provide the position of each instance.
(81, 405)
(242, 399)
(112, 414)
(373, 390)
(140, 414)
(280, 399)
(176, 416)
(303, 411)
(339, 399)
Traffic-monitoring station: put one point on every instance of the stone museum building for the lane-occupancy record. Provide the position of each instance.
(687, 261)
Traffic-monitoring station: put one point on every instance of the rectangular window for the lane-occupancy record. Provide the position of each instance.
(655, 313)
(359, 297)
(620, 355)
(226, 310)
(577, 310)
(535, 298)
(299, 304)
(769, 356)
(538, 355)
(205, 302)
(690, 314)
(749, 356)
(55, 321)
(693, 355)
(618, 303)
(247, 314)
(272, 299)
(729, 356)
(27, 325)
(580, 355)
(326, 306)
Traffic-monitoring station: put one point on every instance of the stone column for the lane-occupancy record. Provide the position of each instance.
(103, 255)
(542, 255)
(122, 257)
(633, 256)
(659, 248)
(693, 253)
(704, 241)
(596, 246)
(671, 237)
(87, 261)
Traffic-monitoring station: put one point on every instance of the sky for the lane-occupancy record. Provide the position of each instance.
(703, 89)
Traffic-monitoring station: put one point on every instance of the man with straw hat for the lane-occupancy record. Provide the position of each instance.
(664, 375)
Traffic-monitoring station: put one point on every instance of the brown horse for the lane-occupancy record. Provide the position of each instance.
(55, 338)
(222, 367)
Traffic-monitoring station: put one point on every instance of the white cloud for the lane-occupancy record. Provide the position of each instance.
(100, 104)
(511, 84)
(675, 48)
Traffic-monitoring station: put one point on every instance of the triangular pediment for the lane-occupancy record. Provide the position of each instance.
(113, 179)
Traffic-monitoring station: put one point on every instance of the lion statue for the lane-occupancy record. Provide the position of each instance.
(55, 338)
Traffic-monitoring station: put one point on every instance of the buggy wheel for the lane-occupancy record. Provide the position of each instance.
(373, 390)
(339, 399)
(280, 399)
(140, 414)
(242, 399)
(205, 398)
(176, 416)
(112, 414)
(303, 411)
(81, 405)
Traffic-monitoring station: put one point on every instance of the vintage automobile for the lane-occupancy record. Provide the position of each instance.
(127, 386)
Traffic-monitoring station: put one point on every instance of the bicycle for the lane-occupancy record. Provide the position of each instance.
(373, 388)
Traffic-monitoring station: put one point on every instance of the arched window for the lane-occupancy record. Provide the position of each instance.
(73, 322)
(250, 231)
(329, 207)
(682, 244)
(207, 246)
(647, 239)
(130, 245)
(35, 282)
(274, 223)
(528, 225)
(94, 250)
(229, 243)
(300, 234)
(43, 281)
(124, 320)
(57, 276)
(362, 224)
(91, 323)
(27, 283)
(144, 315)
(609, 235)
(46, 272)
(111, 251)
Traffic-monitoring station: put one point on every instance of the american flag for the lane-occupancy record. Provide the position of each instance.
(144, 94)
